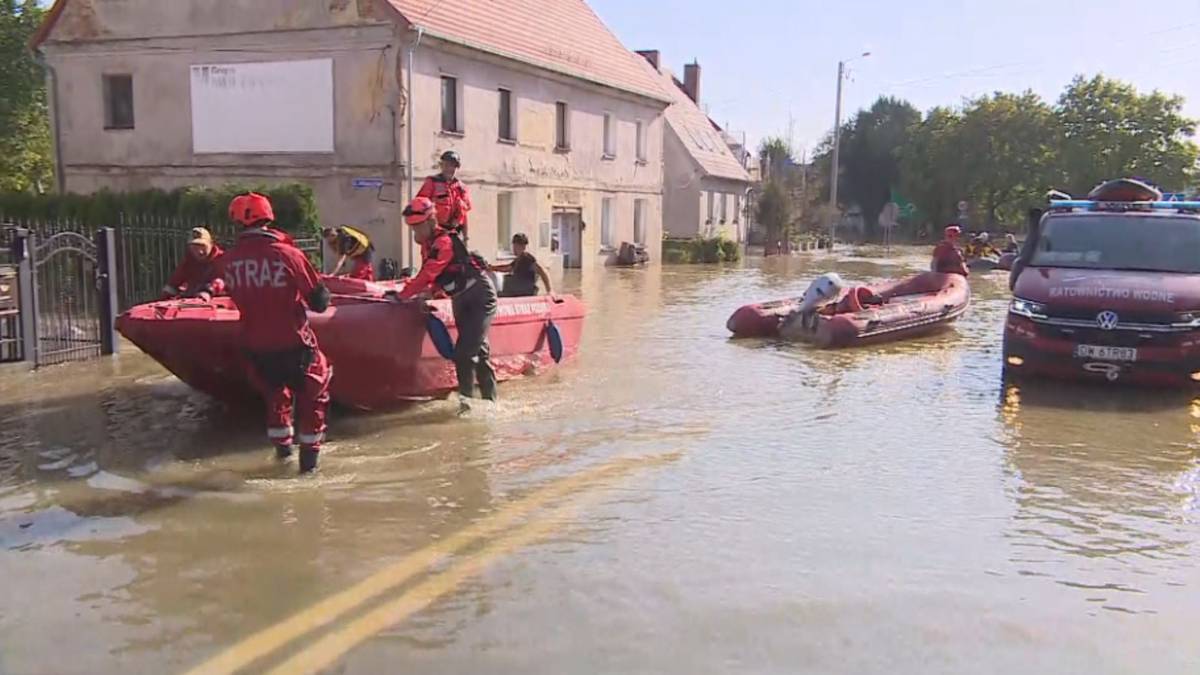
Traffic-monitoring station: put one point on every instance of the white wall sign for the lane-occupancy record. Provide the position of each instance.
(279, 106)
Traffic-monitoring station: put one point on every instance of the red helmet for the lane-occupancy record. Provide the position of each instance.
(251, 209)
(953, 231)
(418, 211)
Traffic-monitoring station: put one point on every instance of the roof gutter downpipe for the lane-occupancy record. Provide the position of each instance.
(60, 180)
(412, 191)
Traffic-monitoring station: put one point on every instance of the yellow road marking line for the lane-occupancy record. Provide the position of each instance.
(326, 611)
(329, 649)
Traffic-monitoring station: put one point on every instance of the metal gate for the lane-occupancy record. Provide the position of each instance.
(67, 302)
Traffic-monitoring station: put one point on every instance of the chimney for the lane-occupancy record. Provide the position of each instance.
(651, 55)
(691, 81)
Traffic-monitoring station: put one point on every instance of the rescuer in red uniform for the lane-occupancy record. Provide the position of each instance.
(198, 274)
(274, 284)
(947, 258)
(449, 195)
(448, 265)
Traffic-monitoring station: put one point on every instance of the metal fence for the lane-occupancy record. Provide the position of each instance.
(10, 313)
(148, 249)
(71, 287)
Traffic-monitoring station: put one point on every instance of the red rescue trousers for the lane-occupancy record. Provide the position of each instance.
(308, 400)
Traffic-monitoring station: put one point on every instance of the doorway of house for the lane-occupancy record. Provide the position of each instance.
(568, 228)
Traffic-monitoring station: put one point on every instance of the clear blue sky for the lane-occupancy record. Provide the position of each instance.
(765, 59)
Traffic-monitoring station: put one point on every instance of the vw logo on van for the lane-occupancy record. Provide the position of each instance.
(1107, 320)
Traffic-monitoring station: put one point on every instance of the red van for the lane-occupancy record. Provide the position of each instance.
(1108, 290)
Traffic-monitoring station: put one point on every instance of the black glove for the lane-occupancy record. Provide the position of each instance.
(319, 299)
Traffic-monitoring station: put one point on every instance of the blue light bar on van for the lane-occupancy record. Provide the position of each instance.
(1123, 206)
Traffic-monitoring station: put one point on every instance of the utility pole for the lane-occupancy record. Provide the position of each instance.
(836, 170)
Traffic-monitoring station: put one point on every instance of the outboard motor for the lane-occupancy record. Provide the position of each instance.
(822, 291)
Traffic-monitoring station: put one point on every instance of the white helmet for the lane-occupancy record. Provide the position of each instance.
(822, 291)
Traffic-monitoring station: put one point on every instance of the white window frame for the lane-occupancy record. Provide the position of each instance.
(459, 105)
(504, 239)
(610, 136)
(562, 144)
(639, 221)
(512, 115)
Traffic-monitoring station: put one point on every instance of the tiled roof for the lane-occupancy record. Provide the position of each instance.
(697, 132)
(564, 36)
(560, 35)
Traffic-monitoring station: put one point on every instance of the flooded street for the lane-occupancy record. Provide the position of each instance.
(673, 501)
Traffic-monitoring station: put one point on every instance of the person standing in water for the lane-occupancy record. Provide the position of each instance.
(448, 266)
(947, 258)
(274, 285)
(523, 271)
(198, 274)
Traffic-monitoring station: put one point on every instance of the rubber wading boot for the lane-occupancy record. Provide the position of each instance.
(308, 458)
(283, 451)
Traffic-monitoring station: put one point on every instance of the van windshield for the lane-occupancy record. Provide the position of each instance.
(1124, 242)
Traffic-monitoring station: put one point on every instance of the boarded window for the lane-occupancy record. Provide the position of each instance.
(639, 221)
(506, 116)
(606, 235)
(562, 127)
(711, 204)
(641, 140)
(724, 207)
(118, 101)
(504, 218)
(450, 104)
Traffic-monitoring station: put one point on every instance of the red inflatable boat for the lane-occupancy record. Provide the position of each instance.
(885, 312)
(384, 352)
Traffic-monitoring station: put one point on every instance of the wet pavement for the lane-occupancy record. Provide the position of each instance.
(672, 502)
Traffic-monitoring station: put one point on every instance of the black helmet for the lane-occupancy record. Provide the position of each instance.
(452, 156)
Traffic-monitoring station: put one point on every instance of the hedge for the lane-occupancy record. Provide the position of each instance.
(701, 250)
(295, 206)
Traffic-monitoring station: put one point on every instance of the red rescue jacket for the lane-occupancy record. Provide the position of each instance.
(947, 259)
(451, 199)
(445, 265)
(192, 275)
(270, 280)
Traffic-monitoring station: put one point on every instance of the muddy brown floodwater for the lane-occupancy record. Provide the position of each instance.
(672, 502)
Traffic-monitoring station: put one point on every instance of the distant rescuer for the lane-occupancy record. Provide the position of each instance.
(198, 274)
(273, 284)
(448, 265)
(523, 271)
(351, 244)
(947, 258)
(449, 195)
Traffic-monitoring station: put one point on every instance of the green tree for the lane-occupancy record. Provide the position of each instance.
(26, 162)
(775, 212)
(1110, 130)
(1008, 154)
(778, 156)
(870, 155)
(931, 165)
